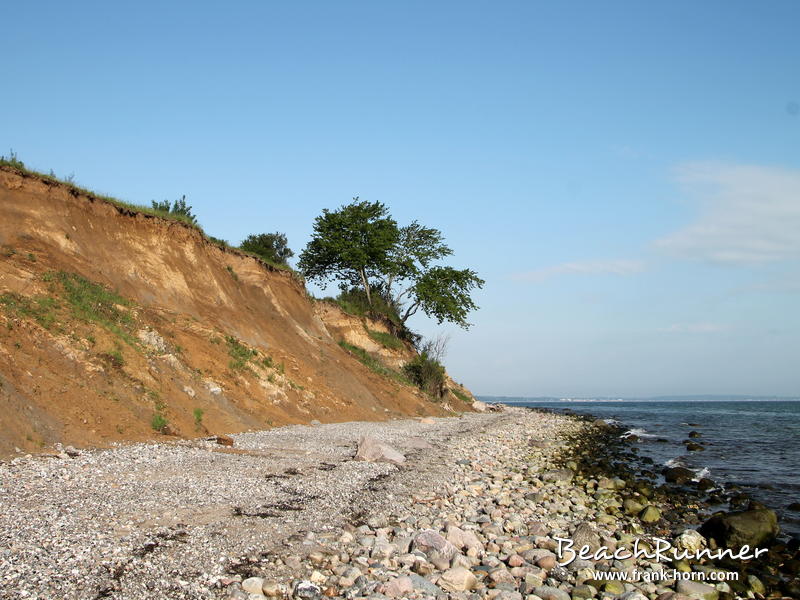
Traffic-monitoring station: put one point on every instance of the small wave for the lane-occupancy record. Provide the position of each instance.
(637, 432)
(701, 473)
(678, 461)
(612, 421)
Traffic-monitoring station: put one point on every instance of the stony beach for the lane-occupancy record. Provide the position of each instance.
(465, 507)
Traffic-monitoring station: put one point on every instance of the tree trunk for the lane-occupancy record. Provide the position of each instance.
(366, 286)
(411, 310)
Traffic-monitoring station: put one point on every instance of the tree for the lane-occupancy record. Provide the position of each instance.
(443, 293)
(351, 244)
(416, 248)
(272, 247)
(179, 208)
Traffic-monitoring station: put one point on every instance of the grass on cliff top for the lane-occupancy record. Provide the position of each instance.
(13, 161)
(461, 396)
(373, 363)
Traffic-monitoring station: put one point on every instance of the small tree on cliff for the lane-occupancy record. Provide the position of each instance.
(362, 247)
(272, 247)
(351, 244)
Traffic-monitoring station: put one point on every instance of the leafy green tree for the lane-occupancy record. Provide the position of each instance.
(416, 248)
(443, 293)
(272, 247)
(351, 244)
(178, 208)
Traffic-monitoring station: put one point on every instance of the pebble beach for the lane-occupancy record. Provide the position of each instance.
(468, 507)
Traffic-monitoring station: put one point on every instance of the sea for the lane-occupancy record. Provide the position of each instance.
(753, 444)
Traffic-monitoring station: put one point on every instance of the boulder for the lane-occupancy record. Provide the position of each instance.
(696, 589)
(458, 579)
(438, 550)
(479, 406)
(253, 585)
(584, 535)
(372, 450)
(678, 475)
(650, 514)
(546, 592)
(735, 529)
(400, 587)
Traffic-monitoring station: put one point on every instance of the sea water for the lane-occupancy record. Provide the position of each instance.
(752, 444)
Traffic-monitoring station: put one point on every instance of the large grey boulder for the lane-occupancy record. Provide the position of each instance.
(735, 529)
(373, 450)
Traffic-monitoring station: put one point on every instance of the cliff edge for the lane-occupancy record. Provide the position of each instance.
(118, 325)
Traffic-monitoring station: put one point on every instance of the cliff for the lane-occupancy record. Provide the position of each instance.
(118, 325)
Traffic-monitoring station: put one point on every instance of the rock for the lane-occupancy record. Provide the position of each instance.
(755, 585)
(188, 391)
(585, 535)
(795, 506)
(71, 452)
(694, 447)
(458, 579)
(253, 585)
(274, 589)
(546, 592)
(152, 339)
(557, 475)
(691, 541)
(306, 590)
(213, 387)
(695, 434)
(435, 547)
(650, 514)
(614, 587)
(372, 450)
(631, 506)
(417, 443)
(735, 529)
(427, 421)
(314, 422)
(399, 587)
(420, 583)
(678, 475)
(221, 439)
(583, 592)
(696, 589)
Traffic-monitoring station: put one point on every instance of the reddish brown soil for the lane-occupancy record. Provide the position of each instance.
(61, 381)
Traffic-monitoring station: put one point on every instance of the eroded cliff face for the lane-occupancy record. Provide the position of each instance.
(113, 323)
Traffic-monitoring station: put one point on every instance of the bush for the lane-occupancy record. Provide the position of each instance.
(178, 210)
(426, 370)
(239, 353)
(159, 422)
(427, 374)
(271, 247)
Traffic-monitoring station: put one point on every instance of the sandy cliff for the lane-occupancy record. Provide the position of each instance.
(109, 317)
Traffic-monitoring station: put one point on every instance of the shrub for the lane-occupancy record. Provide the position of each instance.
(239, 353)
(427, 374)
(159, 422)
(178, 210)
(372, 363)
(271, 247)
(426, 370)
(198, 417)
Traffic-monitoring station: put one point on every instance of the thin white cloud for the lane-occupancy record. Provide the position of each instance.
(695, 328)
(747, 214)
(590, 267)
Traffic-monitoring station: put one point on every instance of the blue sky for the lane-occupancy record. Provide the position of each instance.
(625, 176)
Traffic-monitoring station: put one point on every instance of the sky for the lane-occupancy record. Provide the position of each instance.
(625, 176)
